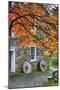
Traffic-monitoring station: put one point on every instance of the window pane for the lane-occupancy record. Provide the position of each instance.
(33, 50)
(32, 57)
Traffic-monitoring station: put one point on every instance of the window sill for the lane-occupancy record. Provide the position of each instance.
(33, 61)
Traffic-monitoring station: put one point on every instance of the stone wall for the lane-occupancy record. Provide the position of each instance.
(23, 55)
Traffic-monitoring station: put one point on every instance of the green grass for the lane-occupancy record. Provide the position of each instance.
(53, 82)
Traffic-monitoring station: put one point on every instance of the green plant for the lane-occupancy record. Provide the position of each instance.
(53, 82)
(53, 61)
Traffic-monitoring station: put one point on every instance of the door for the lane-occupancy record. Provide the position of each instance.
(12, 61)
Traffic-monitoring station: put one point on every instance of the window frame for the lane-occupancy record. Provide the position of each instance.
(12, 49)
(31, 60)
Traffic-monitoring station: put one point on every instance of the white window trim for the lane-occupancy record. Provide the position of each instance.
(32, 60)
(13, 49)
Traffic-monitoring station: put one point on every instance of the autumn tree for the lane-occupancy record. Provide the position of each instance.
(34, 22)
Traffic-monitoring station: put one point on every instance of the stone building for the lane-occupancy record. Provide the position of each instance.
(18, 56)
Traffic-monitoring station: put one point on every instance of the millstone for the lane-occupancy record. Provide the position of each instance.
(26, 67)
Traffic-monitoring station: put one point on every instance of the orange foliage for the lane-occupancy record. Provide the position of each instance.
(28, 30)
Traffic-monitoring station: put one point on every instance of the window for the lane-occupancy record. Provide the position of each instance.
(33, 54)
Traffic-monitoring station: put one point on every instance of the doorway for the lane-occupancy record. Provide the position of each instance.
(12, 60)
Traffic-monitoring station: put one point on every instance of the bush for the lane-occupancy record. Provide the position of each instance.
(53, 82)
(53, 62)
